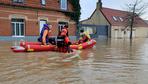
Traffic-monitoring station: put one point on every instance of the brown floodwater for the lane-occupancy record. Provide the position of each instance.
(111, 61)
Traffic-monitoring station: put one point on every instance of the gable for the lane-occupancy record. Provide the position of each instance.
(117, 17)
(97, 18)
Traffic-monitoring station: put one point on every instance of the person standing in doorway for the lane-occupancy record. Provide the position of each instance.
(44, 35)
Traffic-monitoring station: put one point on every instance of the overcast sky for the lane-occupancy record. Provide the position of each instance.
(88, 6)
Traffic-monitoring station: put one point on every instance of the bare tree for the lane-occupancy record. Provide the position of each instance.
(135, 9)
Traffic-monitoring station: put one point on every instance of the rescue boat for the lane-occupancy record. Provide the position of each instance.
(37, 47)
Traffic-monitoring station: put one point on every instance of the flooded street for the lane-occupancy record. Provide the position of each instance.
(111, 61)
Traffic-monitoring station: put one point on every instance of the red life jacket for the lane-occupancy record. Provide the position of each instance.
(64, 41)
(67, 40)
(64, 33)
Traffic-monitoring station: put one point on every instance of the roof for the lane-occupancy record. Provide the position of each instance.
(146, 21)
(117, 17)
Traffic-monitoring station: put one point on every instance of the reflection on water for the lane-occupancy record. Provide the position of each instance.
(112, 61)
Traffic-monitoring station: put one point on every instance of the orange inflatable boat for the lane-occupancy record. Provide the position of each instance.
(37, 47)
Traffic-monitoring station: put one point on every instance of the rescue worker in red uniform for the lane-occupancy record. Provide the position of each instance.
(65, 27)
(63, 41)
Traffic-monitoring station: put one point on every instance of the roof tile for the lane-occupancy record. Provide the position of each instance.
(119, 15)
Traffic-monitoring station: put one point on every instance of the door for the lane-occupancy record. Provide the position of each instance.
(102, 30)
(42, 22)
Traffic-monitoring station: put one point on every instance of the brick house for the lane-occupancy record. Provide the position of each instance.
(111, 23)
(25, 18)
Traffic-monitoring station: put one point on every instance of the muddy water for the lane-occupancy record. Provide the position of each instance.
(113, 61)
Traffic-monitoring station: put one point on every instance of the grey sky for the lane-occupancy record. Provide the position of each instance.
(88, 6)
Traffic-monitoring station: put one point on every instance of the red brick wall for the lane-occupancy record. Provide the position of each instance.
(54, 29)
(5, 1)
(50, 4)
(31, 28)
(31, 21)
(5, 29)
(72, 29)
(4, 24)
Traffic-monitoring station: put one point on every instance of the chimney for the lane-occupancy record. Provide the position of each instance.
(99, 4)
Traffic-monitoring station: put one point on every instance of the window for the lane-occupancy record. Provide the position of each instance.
(61, 25)
(43, 2)
(122, 29)
(121, 19)
(18, 1)
(63, 4)
(90, 30)
(17, 27)
(114, 18)
(116, 29)
(128, 29)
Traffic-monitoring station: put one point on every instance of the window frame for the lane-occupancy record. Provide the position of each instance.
(18, 1)
(61, 24)
(43, 2)
(65, 4)
(114, 18)
(121, 19)
(14, 28)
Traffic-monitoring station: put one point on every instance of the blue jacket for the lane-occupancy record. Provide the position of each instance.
(45, 27)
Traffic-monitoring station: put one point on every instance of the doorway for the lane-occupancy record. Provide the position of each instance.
(42, 22)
